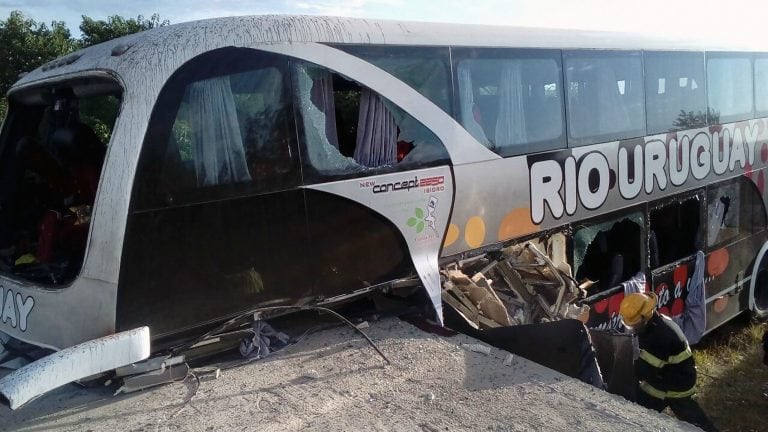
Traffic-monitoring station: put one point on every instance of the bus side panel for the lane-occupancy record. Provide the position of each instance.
(350, 246)
(728, 274)
(417, 204)
(671, 283)
(604, 314)
(187, 265)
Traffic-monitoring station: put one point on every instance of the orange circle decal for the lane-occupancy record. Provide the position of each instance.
(717, 262)
(516, 223)
(474, 233)
(452, 235)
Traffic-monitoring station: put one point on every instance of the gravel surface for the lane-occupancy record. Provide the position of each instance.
(333, 380)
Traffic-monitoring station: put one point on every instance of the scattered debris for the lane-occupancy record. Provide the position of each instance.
(207, 374)
(149, 365)
(518, 285)
(478, 348)
(254, 316)
(508, 361)
(263, 340)
(311, 374)
(150, 379)
(362, 325)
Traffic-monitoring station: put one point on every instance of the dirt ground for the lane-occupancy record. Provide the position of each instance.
(333, 380)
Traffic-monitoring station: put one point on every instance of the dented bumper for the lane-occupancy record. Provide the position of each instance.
(77, 362)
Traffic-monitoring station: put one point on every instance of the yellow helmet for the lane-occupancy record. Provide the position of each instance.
(636, 307)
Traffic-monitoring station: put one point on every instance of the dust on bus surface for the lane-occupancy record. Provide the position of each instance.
(53, 143)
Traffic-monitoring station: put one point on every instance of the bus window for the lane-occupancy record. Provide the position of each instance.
(674, 91)
(511, 100)
(220, 128)
(425, 69)
(609, 252)
(675, 228)
(54, 144)
(761, 86)
(729, 88)
(349, 130)
(217, 222)
(734, 210)
(605, 96)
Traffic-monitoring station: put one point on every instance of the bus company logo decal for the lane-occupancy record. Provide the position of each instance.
(422, 218)
(15, 308)
(561, 185)
(426, 184)
(432, 184)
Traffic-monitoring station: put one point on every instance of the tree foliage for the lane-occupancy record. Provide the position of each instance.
(98, 31)
(26, 44)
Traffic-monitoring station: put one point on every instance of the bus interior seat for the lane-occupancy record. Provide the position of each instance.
(63, 230)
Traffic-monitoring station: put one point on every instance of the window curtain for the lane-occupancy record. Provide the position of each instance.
(217, 146)
(376, 132)
(467, 100)
(322, 97)
(321, 153)
(510, 125)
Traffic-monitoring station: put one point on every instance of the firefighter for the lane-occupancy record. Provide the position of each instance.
(665, 369)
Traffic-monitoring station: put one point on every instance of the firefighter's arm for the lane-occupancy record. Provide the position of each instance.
(645, 371)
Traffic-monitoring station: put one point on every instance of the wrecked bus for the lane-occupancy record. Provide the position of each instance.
(178, 177)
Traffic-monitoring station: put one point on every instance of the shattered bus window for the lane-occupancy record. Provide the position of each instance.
(608, 253)
(674, 231)
(51, 162)
(733, 209)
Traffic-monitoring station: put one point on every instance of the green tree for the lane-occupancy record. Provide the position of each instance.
(26, 44)
(98, 31)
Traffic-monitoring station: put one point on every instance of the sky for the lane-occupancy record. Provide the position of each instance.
(735, 20)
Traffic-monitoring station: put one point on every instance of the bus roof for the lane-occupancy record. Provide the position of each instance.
(270, 29)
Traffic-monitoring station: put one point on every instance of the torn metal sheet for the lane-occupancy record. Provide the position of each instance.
(615, 355)
(153, 364)
(150, 379)
(74, 363)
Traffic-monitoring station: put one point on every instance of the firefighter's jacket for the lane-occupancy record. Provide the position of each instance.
(666, 368)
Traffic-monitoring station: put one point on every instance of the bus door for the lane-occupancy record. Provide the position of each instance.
(735, 233)
(675, 236)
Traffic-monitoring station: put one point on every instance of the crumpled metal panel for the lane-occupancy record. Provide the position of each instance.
(615, 355)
